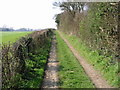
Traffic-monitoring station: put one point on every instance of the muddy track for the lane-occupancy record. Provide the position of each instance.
(94, 75)
(51, 72)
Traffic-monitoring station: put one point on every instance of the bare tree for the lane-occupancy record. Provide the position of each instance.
(70, 6)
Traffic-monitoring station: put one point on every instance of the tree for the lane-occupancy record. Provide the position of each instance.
(70, 6)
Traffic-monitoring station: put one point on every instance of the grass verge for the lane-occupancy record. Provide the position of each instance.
(71, 73)
(108, 70)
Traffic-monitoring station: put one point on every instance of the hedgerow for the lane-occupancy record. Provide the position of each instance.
(97, 27)
(23, 62)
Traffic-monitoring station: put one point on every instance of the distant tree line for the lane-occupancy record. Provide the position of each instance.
(11, 29)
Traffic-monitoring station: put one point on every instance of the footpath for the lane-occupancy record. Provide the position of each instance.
(94, 75)
(51, 73)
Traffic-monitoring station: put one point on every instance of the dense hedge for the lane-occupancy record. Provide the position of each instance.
(97, 27)
(23, 62)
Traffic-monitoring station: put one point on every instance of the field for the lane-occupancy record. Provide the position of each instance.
(5, 37)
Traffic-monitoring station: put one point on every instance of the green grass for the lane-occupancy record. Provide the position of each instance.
(71, 72)
(5, 37)
(102, 64)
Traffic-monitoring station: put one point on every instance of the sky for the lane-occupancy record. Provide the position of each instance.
(34, 14)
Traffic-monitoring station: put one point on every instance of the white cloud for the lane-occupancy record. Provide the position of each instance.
(27, 13)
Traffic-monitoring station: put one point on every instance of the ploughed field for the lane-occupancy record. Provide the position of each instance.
(5, 37)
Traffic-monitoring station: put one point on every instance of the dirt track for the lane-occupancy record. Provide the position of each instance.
(94, 75)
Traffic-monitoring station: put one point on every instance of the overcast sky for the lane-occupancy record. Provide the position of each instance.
(27, 13)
